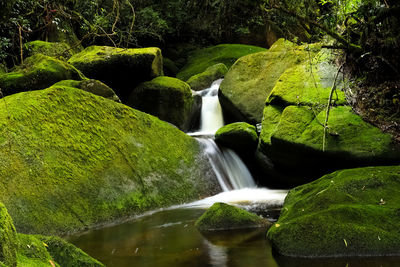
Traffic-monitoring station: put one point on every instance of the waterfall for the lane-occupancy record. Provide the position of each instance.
(230, 170)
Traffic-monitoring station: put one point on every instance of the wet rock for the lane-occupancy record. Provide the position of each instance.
(121, 69)
(206, 78)
(347, 213)
(239, 136)
(221, 216)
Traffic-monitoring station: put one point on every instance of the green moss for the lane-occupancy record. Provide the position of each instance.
(8, 239)
(67, 254)
(170, 99)
(347, 213)
(221, 216)
(32, 251)
(205, 79)
(37, 72)
(92, 86)
(199, 60)
(309, 84)
(239, 136)
(251, 79)
(72, 160)
(57, 50)
(121, 69)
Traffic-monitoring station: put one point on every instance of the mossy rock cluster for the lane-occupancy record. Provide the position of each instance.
(200, 59)
(121, 69)
(170, 99)
(292, 135)
(221, 216)
(239, 136)
(351, 212)
(38, 72)
(35, 250)
(56, 49)
(206, 78)
(92, 86)
(251, 79)
(170, 68)
(72, 160)
(8, 239)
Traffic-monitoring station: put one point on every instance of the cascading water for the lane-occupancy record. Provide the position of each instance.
(233, 176)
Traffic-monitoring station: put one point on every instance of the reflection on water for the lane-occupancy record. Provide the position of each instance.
(169, 238)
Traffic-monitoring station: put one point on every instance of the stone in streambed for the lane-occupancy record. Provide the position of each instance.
(205, 79)
(121, 69)
(92, 86)
(170, 99)
(347, 213)
(239, 136)
(221, 216)
(38, 72)
(72, 160)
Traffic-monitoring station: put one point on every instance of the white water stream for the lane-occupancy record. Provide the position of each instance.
(233, 176)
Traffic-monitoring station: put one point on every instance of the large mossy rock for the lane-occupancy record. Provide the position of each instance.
(170, 99)
(38, 72)
(38, 251)
(239, 136)
(347, 213)
(292, 134)
(56, 49)
(206, 78)
(121, 69)
(221, 216)
(72, 160)
(251, 79)
(92, 86)
(8, 239)
(200, 59)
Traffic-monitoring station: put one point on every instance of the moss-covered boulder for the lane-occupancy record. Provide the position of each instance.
(72, 160)
(8, 239)
(239, 136)
(221, 216)
(293, 138)
(251, 79)
(67, 254)
(38, 72)
(121, 69)
(347, 213)
(200, 59)
(37, 251)
(206, 78)
(92, 86)
(170, 99)
(56, 49)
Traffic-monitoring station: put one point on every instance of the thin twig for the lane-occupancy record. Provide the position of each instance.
(329, 107)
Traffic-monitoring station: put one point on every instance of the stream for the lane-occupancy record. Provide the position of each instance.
(168, 237)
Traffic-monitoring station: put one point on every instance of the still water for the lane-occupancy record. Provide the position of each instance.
(169, 238)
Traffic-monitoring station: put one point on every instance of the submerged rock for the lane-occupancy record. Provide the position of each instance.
(57, 50)
(200, 59)
(206, 78)
(72, 160)
(221, 216)
(251, 79)
(38, 72)
(121, 69)
(347, 213)
(170, 99)
(239, 136)
(8, 239)
(92, 86)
